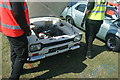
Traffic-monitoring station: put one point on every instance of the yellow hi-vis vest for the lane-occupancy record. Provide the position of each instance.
(98, 12)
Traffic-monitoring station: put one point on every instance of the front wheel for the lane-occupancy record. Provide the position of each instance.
(70, 20)
(113, 42)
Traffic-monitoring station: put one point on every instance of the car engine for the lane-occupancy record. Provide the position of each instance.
(46, 31)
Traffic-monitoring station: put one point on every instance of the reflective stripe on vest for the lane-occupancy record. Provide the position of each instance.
(9, 7)
(9, 26)
(12, 32)
(98, 12)
(100, 5)
(5, 6)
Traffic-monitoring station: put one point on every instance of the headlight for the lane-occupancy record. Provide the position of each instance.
(78, 38)
(35, 47)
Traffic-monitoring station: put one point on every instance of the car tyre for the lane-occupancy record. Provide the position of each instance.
(70, 20)
(113, 42)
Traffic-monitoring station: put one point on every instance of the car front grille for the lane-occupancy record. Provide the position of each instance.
(56, 43)
(58, 48)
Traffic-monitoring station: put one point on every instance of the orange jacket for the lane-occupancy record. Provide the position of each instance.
(8, 23)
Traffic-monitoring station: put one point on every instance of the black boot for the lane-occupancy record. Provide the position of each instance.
(89, 51)
(88, 54)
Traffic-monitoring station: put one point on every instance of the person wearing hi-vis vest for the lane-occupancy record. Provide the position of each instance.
(93, 19)
(14, 23)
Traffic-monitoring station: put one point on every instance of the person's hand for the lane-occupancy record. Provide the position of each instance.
(32, 26)
(29, 34)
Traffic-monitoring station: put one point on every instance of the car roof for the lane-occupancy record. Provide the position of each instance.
(77, 2)
(71, 4)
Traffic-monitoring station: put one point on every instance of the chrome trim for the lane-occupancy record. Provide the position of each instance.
(74, 47)
(45, 55)
(36, 58)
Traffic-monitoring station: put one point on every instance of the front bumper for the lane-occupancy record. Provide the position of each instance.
(42, 56)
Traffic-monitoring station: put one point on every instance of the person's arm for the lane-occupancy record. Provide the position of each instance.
(20, 17)
(90, 6)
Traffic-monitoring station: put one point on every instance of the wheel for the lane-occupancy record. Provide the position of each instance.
(113, 42)
(70, 20)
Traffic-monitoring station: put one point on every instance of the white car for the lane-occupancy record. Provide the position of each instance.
(50, 35)
(109, 31)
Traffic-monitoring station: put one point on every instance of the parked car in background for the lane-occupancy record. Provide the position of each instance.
(109, 31)
(50, 35)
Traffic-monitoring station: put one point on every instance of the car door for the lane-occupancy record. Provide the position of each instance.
(104, 29)
(79, 14)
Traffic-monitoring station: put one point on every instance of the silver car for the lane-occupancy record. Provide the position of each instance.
(50, 35)
(109, 31)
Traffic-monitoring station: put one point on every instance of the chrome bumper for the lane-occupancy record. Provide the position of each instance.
(44, 55)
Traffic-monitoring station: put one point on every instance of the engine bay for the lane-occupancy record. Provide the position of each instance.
(46, 29)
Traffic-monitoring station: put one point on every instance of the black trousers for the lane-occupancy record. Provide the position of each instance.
(19, 54)
(92, 28)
